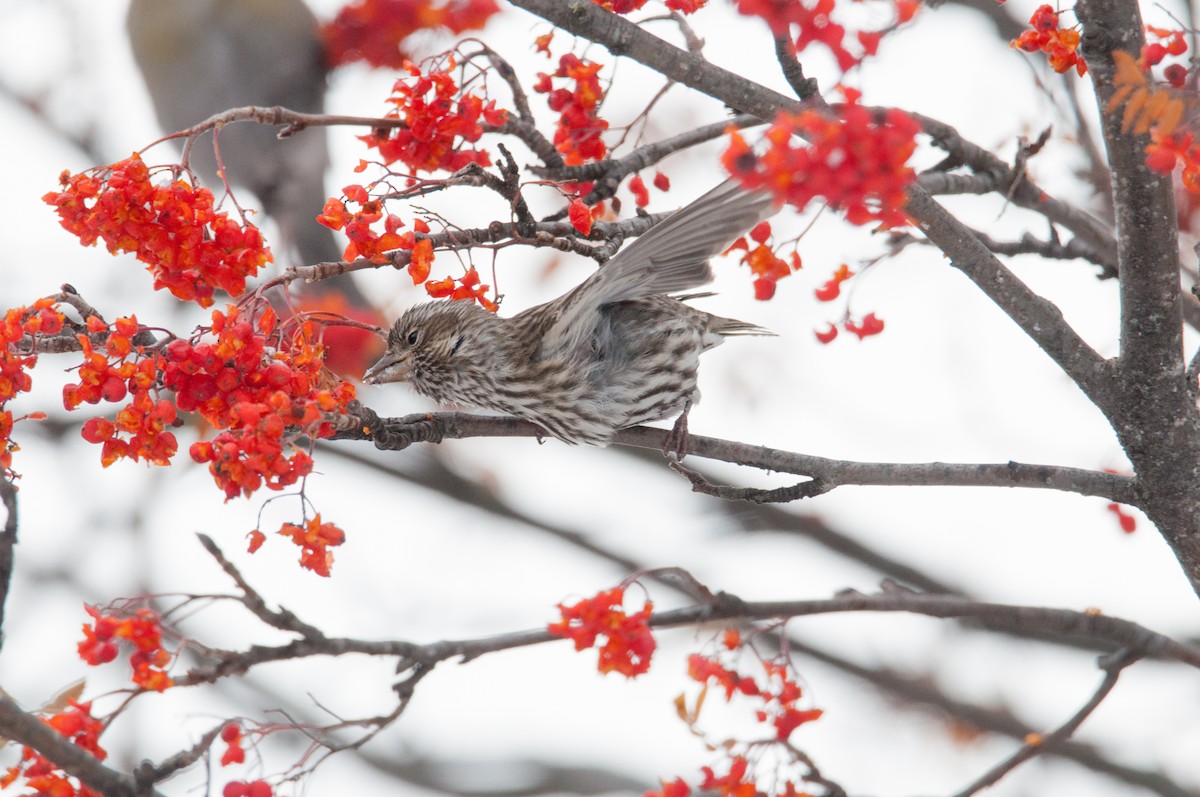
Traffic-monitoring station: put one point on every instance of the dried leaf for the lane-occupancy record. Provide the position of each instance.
(63, 699)
(1133, 109)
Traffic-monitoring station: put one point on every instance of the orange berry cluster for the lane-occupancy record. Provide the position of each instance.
(314, 539)
(139, 430)
(189, 247)
(629, 644)
(374, 30)
(1060, 44)
(469, 288)
(372, 245)
(143, 630)
(20, 329)
(856, 160)
(83, 730)
(768, 268)
(439, 119)
(577, 134)
(263, 385)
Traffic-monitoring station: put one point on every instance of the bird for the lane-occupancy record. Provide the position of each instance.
(616, 351)
(201, 57)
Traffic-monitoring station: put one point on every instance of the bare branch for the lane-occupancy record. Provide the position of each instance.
(8, 544)
(394, 434)
(805, 87)
(1112, 666)
(1021, 190)
(1154, 414)
(282, 619)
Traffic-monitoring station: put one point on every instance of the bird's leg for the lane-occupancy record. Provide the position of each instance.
(676, 440)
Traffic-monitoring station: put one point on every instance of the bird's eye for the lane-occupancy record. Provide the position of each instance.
(413, 337)
(457, 345)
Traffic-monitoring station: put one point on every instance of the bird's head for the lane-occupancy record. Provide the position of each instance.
(429, 345)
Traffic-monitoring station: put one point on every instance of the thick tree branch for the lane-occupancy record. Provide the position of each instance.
(27, 729)
(399, 433)
(1155, 416)
(1115, 631)
(8, 545)
(1038, 317)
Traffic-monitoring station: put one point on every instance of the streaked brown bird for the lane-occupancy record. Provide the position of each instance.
(614, 352)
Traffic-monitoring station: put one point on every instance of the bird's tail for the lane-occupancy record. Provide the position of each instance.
(731, 326)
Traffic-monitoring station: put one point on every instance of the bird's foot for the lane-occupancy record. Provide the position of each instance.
(676, 441)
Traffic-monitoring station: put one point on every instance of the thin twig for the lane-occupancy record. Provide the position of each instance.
(252, 600)
(1112, 665)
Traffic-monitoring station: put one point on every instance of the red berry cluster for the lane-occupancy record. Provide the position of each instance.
(629, 6)
(778, 695)
(143, 630)
(83, 730)
(768, 268)
(1060, 44)
(370, 244)
(814, 23)
(1170, 42)
(577, 135)
(314, 539)
(262, 384)
(1165, 152)
(777, 698)
(374, 30)
(641, 194)
(20, 329)
(235, 752)
(469, 288)
(856, 160)
(439, 119)
(139, 430)
(830, 291)
(255, 788)
(628, 645)
(190, 248)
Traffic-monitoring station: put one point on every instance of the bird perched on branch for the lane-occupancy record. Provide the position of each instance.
(615, 352)
(201, 57)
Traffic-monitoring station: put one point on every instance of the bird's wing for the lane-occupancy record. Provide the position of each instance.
(672, 256)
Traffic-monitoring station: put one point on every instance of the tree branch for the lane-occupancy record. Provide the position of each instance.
(1154, 416)
(394, 434)
(1112, 666)
(8, 545)
(1021, 190)
(29, 730)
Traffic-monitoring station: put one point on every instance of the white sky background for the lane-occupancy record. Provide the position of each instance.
(951, 379)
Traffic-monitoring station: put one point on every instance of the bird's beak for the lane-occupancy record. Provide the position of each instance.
(389, 368)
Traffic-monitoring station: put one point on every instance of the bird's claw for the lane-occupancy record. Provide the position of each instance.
(676, 441)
